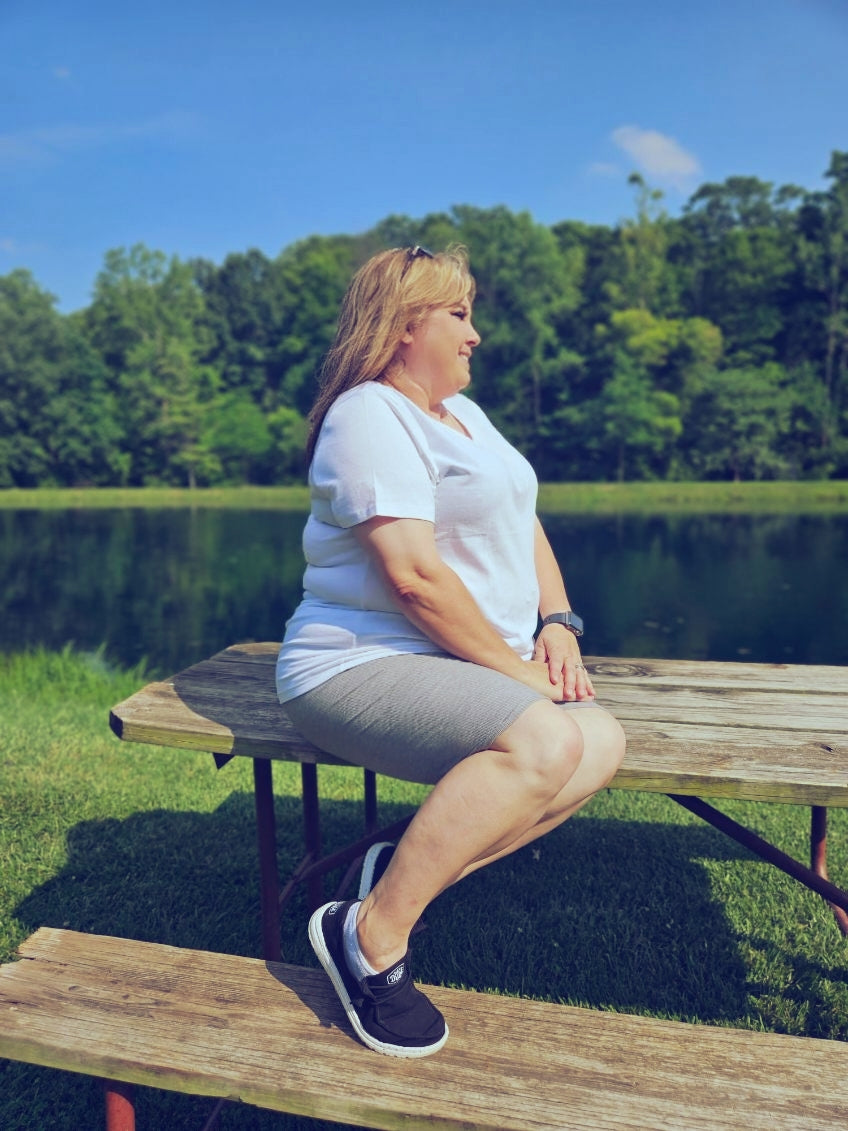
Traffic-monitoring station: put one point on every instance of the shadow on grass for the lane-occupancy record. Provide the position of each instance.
(612, 914)
(608, 913)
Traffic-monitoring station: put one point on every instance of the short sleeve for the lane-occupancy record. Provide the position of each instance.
(371, 459)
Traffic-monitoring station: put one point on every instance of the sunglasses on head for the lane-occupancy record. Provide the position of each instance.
(417, 252)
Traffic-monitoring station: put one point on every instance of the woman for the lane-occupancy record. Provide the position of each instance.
(412, 652)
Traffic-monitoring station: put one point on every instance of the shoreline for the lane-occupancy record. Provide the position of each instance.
(819, 496)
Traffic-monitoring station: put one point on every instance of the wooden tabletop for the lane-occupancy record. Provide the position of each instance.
(763, 732)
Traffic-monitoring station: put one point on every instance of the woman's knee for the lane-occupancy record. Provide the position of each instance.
(545, 746)
(604, 741)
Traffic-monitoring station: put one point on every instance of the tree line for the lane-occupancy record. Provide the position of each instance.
(712, 345)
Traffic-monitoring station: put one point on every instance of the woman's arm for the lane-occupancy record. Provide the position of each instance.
(437, 601)
(556, 645)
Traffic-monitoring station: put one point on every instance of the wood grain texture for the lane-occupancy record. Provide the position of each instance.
(274, 1035)
(759, 732)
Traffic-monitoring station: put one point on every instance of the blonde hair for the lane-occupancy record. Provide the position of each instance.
(390, 294)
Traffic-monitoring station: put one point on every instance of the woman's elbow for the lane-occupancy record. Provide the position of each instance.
(412, 588)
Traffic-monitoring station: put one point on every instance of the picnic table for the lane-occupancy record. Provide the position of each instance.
(274, 1035)
(695, 729)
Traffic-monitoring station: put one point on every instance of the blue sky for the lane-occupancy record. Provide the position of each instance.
(204, 128)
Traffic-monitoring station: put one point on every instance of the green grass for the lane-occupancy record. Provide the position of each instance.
(694, 498)
(294, 498)
(577, 498)
(633, 906)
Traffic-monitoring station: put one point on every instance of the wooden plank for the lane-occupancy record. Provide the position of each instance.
(766, 732)
(801, 678)
(224, 716)
(692, 673)
(734, 709)
(274, 1035)
(749, 764)
(263, 653)
(792, 678)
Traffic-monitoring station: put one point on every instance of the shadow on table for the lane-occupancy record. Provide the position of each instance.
(604, 912)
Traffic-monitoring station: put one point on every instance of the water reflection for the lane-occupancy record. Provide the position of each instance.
(765, 588)
(170, 586)
(175, 585)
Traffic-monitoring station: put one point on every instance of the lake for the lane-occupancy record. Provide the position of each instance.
(173, 586)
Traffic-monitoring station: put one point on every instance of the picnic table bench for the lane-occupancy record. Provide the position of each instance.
(275, 1036)
(695, 729)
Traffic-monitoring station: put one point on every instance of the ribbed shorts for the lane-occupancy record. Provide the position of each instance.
(411, 716)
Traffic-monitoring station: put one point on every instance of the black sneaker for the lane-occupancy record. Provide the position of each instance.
(388, 1013)
(375, 863)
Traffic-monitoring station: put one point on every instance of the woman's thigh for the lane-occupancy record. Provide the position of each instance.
(412, 717)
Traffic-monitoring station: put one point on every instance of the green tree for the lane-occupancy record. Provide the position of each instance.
(288, 445)
(636, 424)
(527, 287)
(148, 322)
(823, 248)
(811, 417)
(641, 277)
(738, 241)
(674, 351)
(314, 275)
(238, 435)
(84, 436)
(57, 419)
(245, 302)
(30, 354)
(736, 424)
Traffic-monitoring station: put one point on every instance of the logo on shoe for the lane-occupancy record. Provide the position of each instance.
(396, 974)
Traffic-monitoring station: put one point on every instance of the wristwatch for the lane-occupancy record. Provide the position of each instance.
(571, 620)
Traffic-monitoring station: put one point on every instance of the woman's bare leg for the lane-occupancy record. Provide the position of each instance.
(603, 743)
(539, 771)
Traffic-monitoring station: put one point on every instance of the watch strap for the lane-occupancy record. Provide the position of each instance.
(569, 619)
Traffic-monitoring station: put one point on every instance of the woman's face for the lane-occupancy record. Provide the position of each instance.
(437, 353)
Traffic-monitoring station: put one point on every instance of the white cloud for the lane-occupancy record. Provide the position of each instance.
(44, 145)
(658, 155)
(604, 169)
(10, 246)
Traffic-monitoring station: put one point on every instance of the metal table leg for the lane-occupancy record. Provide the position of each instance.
(818, 857)
(836, 897)
(313, 866)
(311, 831)
(120, 1111)
(370, 785)
(269, 877)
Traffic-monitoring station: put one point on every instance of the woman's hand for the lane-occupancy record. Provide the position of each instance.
(557, 648)
(535, 674)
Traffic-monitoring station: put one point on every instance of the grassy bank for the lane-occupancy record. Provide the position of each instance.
(632, 906)
(578, 498)
(694, 498)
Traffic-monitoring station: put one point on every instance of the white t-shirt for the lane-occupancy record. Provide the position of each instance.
(379, 454)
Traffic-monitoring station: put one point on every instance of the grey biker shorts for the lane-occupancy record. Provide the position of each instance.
(411, 716)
